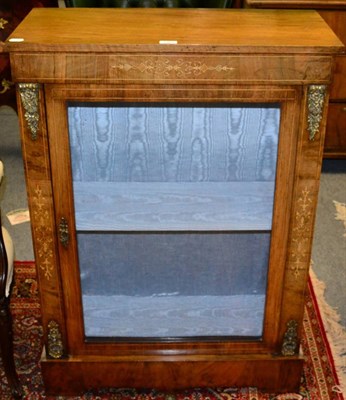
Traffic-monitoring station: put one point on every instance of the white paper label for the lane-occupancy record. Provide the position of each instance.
(168, 42)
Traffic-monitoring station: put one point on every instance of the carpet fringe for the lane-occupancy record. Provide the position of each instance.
(336, 333)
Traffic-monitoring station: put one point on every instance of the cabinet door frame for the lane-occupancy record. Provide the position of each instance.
(290, 99)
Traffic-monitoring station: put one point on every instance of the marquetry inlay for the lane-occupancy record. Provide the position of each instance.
(166, 67)
(299, 256)
(43, 234)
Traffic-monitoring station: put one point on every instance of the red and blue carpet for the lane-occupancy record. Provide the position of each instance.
(319, 381)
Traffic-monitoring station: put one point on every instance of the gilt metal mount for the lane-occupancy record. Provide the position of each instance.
(55, 348)
(290, 342)
(3, 22)
(29, 94)
(6, 85)
(316, 97)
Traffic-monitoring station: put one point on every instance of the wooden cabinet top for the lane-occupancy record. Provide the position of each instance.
(191, 30)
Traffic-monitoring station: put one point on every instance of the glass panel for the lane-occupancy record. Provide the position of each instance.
(173, 208)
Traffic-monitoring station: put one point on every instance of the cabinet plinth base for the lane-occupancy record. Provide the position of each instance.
(74, 376)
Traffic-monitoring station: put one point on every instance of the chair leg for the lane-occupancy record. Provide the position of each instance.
(6, 346)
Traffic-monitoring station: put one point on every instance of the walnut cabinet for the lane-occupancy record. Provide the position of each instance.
(172, 161)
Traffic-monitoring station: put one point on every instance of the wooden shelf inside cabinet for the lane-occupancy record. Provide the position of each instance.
(172, 191)
(170, 206)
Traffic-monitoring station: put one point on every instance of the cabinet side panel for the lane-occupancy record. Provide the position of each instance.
(38, 180)
(305, 196)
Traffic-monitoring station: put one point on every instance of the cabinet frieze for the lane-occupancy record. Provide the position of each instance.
(185, 68)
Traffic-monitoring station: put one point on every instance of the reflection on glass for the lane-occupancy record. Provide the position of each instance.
(173, 213)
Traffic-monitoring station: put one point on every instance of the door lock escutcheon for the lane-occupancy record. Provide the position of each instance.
(64, 234)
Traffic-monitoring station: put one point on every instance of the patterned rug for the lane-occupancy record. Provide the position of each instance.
(319, 381)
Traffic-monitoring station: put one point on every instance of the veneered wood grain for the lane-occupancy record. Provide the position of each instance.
(167, 68)
(336, 19)
(305, 195)
(141, 30)
(74, 376)
(40, 200)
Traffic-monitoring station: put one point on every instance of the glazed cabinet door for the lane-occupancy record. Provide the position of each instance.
(172, 209)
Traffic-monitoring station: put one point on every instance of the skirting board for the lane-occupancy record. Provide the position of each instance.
(84, 373)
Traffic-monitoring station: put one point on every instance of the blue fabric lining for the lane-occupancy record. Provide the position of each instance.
(173, 143)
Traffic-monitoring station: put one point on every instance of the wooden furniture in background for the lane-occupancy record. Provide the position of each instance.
(335, 143)
(164, 62)
(12, 12)
(334, 13)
